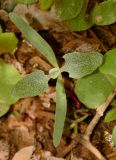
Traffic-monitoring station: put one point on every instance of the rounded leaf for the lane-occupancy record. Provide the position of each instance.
(93, 90)
(9, 76)
(31, 85)
(68, 9)
(109, 63)
(114, 136)
(80, 22)
(104, 13)
(110, 115)
(79, 64)
(45, 5)
(8, 42)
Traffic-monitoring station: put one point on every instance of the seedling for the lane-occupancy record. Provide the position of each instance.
(94, 81)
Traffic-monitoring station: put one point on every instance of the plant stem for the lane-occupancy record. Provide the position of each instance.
(99, 113)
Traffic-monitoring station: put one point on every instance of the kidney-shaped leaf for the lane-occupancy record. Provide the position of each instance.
(9, 76)
(8, 42)
(114, 136)
(60, 114)
(31, 85)
(79, 64)
(109, 64)
(68, 9)
(104, 13)
(93, 90)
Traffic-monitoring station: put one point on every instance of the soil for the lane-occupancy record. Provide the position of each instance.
(30, 121)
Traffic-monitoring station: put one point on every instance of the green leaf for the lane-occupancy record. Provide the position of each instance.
(25, 1)
(36, 40)
(109, 64)
(79, 64)
(54, 73)
(60, 114)
(31, 85)
(110, 115)
(113, 103)
(111, 79)
(8, 42)
(80, 22)
(68, 9)
(94, 89)
(114, 136)
(45, 5)
(9, 76)
(104, 13)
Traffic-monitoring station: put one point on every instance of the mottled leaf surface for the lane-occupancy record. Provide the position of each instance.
(114, 136)
(93, 90)
(54, 73)
(79, 64)
(9, 76)
(104, 13)
(31, 85)
(60, 114)
(68, 9)
(109, 64)
(8, 42)
(36, 40)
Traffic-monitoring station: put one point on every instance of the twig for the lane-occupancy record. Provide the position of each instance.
(92, 149)
(99, 113)
(102, 45)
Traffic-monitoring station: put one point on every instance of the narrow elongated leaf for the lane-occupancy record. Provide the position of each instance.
(36, 40)
(109, 64)
(45, 5)
(110, 115)
(31, 85)
(79, 64)
(60, 114)
(80, 22)
(93, 90)
(68, 9)
(104, 13)
(8, 42)
(9, 76)
(25, 1)
(114, 136)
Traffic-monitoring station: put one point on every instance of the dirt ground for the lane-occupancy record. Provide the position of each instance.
(29, 123)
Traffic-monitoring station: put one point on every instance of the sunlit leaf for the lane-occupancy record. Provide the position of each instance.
(8, 42)
(79, 64)
(68, 9)
(114, 136)
(9, 76)
(54, 73)
(36, 40)
(45, 5)
(31, 85)
(104, 13)
(93, 90)
(60, 114)
(25, 1)
(110, 115)
(80, 22)
(109, 64)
